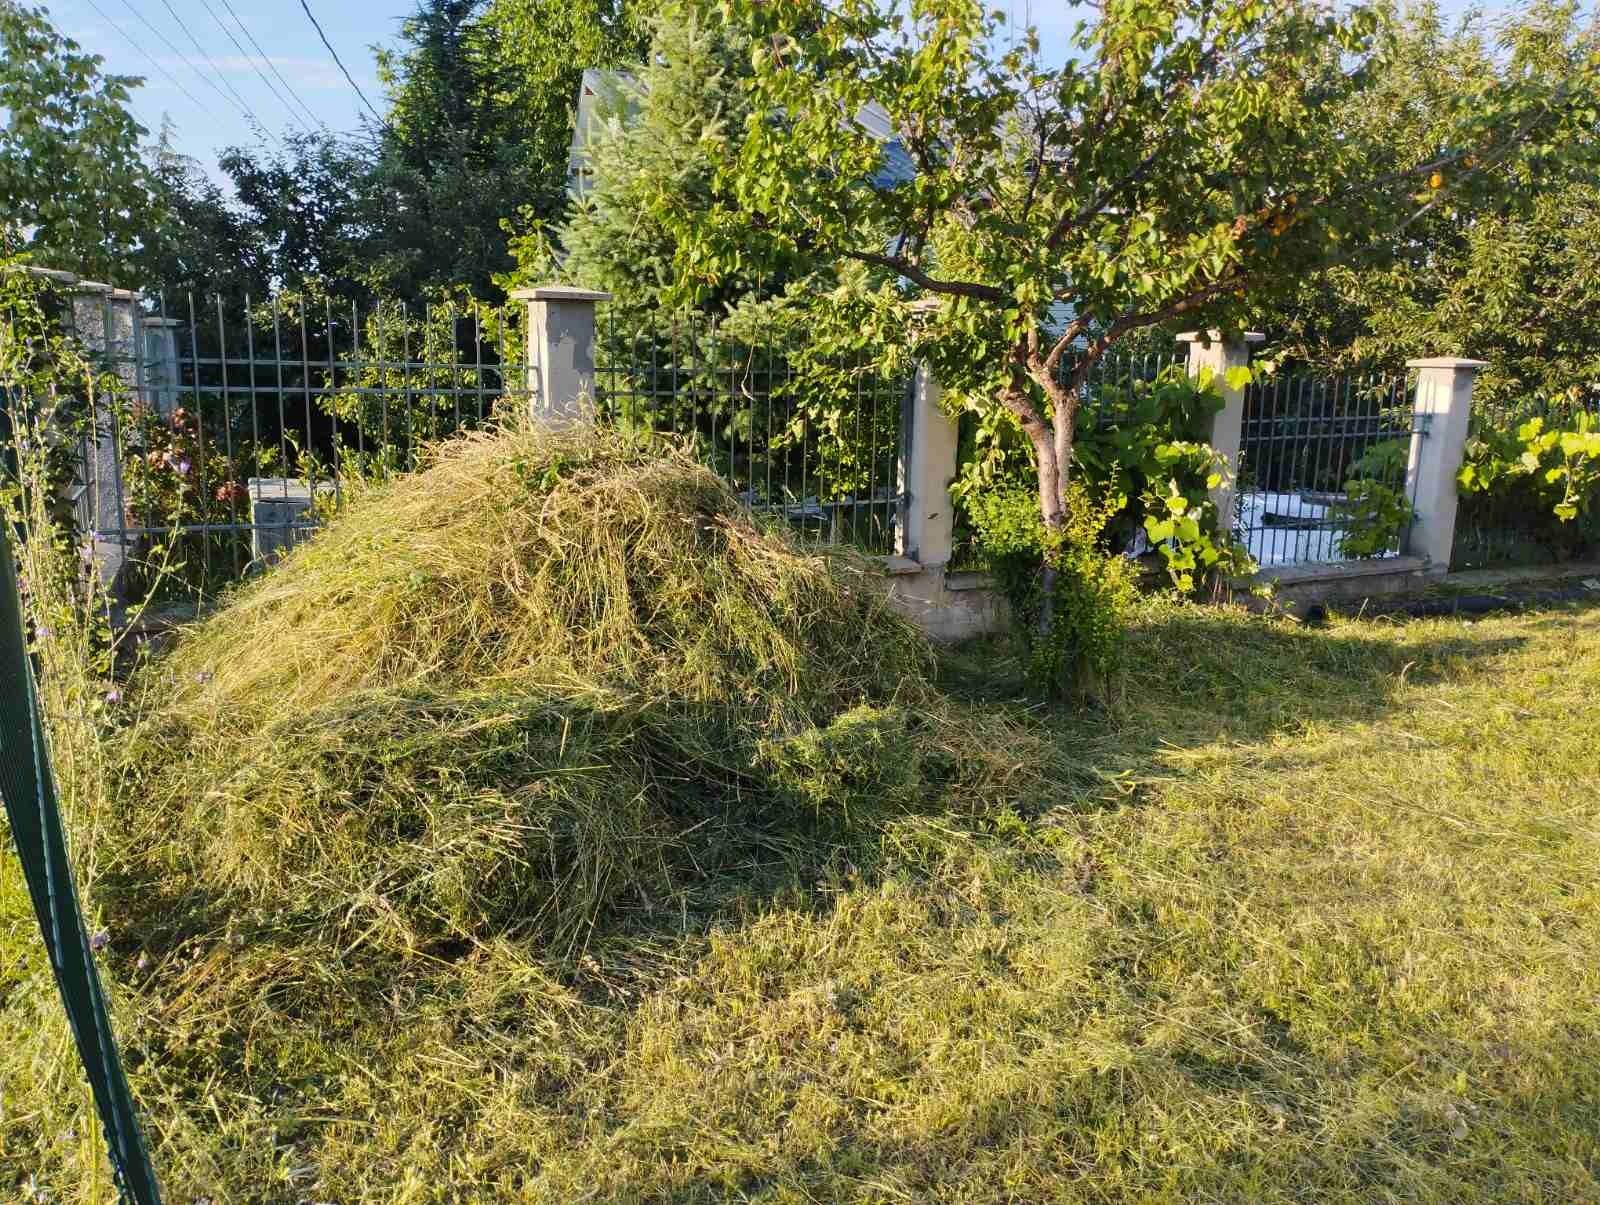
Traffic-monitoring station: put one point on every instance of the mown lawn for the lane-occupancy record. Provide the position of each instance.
(1316, 916)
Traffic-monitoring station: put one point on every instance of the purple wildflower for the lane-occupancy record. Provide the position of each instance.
(42, 631)
(114, 695)
(182, 467)
(100, 941)
(143, 964)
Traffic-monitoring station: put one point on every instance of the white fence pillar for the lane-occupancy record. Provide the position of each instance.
(926, 533)
(561, 333)
(1210, 350)
(1438, 443)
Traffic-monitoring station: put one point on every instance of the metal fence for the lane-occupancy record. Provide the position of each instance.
(1322, 468)
(228, 431)
(814, 443)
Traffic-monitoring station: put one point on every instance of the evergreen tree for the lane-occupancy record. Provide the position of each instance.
(648, 176)
(480, 120)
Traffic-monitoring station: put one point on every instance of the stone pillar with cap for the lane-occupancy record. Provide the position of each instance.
(1211, 350)
(561, 338)
(1441, 417)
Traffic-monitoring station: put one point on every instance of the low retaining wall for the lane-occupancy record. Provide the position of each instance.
(947, 606)
(954, 606)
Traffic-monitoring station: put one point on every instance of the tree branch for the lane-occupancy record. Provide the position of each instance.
(904, 267)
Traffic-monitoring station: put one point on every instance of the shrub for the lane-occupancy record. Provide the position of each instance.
(1373, 516)
(1069, 597)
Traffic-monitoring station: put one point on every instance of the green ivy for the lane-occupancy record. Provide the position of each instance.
(1373, 516)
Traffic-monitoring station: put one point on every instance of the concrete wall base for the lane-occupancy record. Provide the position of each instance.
(949, 607)
(1297, 587)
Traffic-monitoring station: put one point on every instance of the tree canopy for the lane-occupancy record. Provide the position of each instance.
(478, 129)
(72, 180)
(1512, 276)
(1186, 163)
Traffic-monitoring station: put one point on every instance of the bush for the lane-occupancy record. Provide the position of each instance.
(1069, 597)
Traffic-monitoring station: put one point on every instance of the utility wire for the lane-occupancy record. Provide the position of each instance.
(273, 67)
(260, 74)
(201, 50)
(318, 27)
(154, 62)
(183, 58)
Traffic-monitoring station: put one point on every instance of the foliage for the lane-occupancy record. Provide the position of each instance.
(1146, 448)
(44, 378)
(71, 178)
(408, 375)
(1561, 463)
(646, 175)
(1373, 515)
(1510, 275)
(209, 244)
(478, 129)
(1182, 520)
(1069, 597)
(309, 210)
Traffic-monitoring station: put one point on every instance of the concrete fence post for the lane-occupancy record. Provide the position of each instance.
(926, 533)
(1438, 443)
(1209, 350)
(561, 336)
(105, 319)
(160, 362)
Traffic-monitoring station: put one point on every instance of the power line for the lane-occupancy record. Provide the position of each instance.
(273, 67)
(154, 62)
(261, 75)
(317, 26)
(184, 59)
(201, 50)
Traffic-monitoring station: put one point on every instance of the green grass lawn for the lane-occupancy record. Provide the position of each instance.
(1303, 914)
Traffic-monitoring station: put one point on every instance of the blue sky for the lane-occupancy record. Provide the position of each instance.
(206, 92)
(218, 85)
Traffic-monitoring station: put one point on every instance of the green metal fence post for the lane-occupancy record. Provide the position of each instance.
(28, 788)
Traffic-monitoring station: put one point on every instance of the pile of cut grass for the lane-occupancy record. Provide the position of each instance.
(491, 696)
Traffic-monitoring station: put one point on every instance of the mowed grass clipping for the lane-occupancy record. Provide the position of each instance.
(1302, 915)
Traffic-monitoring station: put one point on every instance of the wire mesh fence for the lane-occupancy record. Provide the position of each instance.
(817, 447)
(223, 434)
(227, 433)
(1322, 474)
